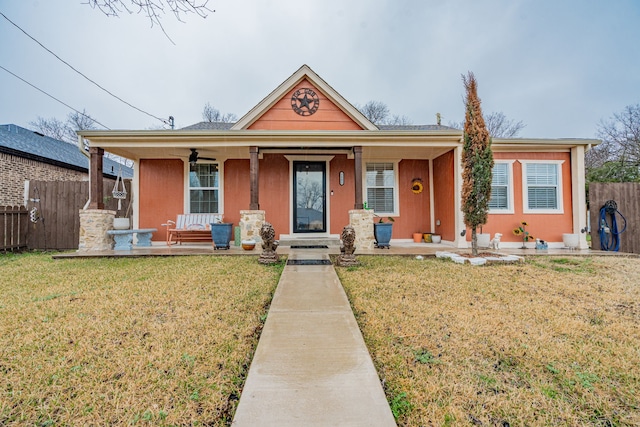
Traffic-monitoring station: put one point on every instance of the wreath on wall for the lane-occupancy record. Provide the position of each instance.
(416, 186)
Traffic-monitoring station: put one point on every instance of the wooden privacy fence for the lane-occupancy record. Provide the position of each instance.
(13, 228)
(627, 197)
(58, 204)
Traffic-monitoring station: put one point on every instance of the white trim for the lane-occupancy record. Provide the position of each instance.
(578, 196)
(432, 199)
(135, 196)
(187, 193)
(510, 190)
(396, 186)
(459, 225)
(327, 196)
(525, 193)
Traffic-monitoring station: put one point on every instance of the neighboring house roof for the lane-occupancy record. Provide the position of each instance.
(21, 142)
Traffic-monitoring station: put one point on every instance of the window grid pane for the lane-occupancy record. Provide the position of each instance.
(542, 185)
(204, 188)
(380, 182)
(499, 187)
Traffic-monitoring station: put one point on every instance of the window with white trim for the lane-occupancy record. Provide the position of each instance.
(542, 187)
(501, 187)
(380, 186)
(204, 188)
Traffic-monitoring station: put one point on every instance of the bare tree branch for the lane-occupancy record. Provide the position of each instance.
(212, 114)
(152, 9)
(498, 125)
(378, 113)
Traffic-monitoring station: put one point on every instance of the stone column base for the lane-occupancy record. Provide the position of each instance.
(362, 222)
(94, 224)
(251, 222)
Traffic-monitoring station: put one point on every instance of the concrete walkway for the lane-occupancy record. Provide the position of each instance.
(311, 367)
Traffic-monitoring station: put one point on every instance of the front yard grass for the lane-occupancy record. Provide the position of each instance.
(552, 341)
(146, 341)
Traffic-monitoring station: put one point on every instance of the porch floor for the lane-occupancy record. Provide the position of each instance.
(397, 248)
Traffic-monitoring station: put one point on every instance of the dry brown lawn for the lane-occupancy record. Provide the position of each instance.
(146, 341)
(552, 341)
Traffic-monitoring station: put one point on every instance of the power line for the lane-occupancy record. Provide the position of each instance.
(53, 97)
(77, 71)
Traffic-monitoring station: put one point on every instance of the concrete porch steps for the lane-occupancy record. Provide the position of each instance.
(311, 241)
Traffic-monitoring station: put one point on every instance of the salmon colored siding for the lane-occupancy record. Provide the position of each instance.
(236, 189)
(161, 193)
(444, 195)
(548, 227)
(274, 191)
(414, 208)
(282, 117)
(343, 198)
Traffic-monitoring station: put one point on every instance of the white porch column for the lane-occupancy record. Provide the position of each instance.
(578, 194)
(460, 241)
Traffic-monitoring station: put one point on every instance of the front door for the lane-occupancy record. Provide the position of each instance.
(309, 197)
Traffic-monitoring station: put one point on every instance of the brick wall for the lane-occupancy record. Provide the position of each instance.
(14, 171)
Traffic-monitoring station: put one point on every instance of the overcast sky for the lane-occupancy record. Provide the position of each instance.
(560, 66)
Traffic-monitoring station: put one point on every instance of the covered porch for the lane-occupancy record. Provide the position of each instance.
(256, 174)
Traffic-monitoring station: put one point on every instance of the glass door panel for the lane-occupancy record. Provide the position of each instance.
(309, 197)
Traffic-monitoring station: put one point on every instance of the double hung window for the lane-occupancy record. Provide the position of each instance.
(204, 188)
(381, 188)
(542, 187)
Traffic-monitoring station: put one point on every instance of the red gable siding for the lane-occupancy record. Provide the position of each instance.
(282, 117)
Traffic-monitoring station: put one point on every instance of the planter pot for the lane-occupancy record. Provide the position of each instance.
(221, 234)
(435, 238)
(248, 245)
(571, 240)
(121, 223)
(483, 240)
(417, 237)
(427, 237)
(382, 232)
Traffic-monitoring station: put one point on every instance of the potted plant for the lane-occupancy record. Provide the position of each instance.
(521, 231)
(382, 232)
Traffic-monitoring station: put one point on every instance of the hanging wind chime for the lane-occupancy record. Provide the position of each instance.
(119, 191)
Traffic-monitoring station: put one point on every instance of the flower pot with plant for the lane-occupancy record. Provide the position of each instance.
(521, 231)
(382, 232)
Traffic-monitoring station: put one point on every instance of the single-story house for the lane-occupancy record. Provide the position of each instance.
(26, 155)
(307, 161)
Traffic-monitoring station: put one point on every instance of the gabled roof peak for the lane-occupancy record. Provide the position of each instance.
(304, 72)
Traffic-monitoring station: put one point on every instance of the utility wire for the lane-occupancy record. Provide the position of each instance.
(53, 97)
(83, 75)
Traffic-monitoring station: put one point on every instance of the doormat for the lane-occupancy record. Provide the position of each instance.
(309, 247)
(309, 262)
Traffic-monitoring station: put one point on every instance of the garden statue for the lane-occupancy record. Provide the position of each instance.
(269, 244)
(346, 257)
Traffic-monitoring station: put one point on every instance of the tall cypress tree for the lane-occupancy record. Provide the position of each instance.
(477, 162)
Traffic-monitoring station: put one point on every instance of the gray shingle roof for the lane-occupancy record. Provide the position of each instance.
(227, 126)
(416, 127)
(209, 126)
(26, 143)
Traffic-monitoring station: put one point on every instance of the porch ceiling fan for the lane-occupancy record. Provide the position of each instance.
(194, 157)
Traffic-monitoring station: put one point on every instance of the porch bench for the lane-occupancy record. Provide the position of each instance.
(191, 228)
(124, 238)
